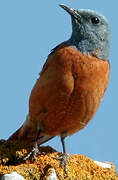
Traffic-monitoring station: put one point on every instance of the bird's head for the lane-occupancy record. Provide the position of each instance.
(90, 32)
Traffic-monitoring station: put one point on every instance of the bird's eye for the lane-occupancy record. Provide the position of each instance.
(95, 20)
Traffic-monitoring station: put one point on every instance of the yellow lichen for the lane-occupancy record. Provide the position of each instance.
(80, 167)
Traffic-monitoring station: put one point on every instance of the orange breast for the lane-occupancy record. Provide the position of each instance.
(68, 92)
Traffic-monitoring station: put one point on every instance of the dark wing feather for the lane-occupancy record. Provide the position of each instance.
(51, 53)
(53, 50)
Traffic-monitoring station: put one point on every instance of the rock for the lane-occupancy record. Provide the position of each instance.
(46, 167)
(53, 175)
(104, 165)
(12, 176)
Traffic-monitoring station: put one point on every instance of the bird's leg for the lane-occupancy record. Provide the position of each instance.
(63, 143)
(63, 156)
(35, 149)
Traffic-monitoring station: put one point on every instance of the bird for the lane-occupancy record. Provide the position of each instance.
(71, 84)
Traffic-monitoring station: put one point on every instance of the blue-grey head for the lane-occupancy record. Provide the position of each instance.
(90, 32)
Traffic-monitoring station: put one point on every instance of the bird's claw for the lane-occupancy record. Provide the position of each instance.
(63, 160)
(32, 154)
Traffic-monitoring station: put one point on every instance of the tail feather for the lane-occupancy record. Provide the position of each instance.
(15, 136)
(44, 139)
(25, 132)
(28, 133)
(41, 140)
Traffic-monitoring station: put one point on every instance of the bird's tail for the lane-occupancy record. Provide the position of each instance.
(44, 139)
(27, 133)
(41, 140)
(15, 136)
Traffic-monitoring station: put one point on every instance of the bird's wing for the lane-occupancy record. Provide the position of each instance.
(45, 97)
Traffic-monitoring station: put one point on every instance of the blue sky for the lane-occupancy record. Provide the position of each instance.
(28, 31)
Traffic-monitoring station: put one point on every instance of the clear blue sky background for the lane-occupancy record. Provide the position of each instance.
(29, 29)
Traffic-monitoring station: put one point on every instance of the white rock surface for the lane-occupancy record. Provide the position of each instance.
(104, 165)
(53, 175)
(12, 176)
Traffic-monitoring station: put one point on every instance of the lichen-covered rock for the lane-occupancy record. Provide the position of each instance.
(45, 167)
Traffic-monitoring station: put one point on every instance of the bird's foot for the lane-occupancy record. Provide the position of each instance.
(63, 160)
(32, 155)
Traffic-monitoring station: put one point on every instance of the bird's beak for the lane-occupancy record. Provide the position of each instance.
(71, 11)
